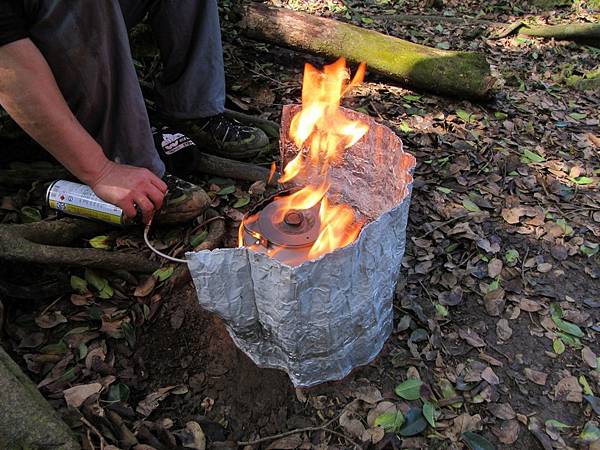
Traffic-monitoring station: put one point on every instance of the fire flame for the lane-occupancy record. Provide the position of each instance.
(323, 130)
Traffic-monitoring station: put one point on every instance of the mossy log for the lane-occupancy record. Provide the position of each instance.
(228, 168)
(268, 126)
(209, 164)
(27, 421)
(457, 74)
(26, 176)
(47, 242)
(585, 33)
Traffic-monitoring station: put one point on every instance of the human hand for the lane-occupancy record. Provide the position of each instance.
(128, 186)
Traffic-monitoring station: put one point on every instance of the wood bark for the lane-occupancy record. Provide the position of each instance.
(216, 233)
(25, 177)
(26, 418)
(228, 168)
(419, 18)
(268, 126)
(209, 164)
(585, 33)
(457, 74)
(47, 242)
(588, 33)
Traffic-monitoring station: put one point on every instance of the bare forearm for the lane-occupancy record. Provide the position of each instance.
(29, 93)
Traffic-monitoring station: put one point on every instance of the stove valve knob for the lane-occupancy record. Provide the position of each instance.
(294, 218)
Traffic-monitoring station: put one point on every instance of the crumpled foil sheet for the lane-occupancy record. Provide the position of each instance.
(319, 320)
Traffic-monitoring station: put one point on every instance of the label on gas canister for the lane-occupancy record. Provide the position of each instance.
(79, 200)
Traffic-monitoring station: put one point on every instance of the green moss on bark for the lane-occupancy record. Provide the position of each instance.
(461, 74)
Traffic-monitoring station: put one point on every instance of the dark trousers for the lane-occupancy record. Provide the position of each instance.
(86, 45)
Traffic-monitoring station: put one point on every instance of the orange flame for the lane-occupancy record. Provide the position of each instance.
(334, 219)
(323, 130)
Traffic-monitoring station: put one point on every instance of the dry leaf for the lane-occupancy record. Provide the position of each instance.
(512, 215)
(589, 357)
(146, 287)
(193, 436)
(96, 354)
(463, 229)
(76, 395)
(32, 340)
(286, 443)
(81, 300)
(465, 422)
(536, 376)
(151, 401)
(494, 267)
(494, 302)
(568, 389)
(490, 376)
(529, 305)
(50, 319)
(368, 394)
(233, 213)
(502, 411)
(257, 188)
(503, 330)
(373, 435)
(351, 425)
(471, 337)
(544, 267)
(507, 432)
(490, 359)
(594, 140)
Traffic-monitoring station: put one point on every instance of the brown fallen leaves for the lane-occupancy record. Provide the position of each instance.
(507, 432)
(151, 401)
(536, 376)
(471, 337)
(76, 395)
(502, 411)
(568, 389)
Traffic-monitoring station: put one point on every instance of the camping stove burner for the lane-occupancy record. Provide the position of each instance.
(288, 239)
(297, 229)
(294, 218)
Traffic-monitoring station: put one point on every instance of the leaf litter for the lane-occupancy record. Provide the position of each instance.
(505, 223)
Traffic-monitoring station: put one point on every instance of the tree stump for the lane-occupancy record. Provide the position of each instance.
(27, 421)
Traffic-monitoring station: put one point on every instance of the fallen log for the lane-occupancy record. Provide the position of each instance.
(47, 242)
(228, 168)
(216, 233)
(585, 33)
(209, 164)
(25, 177)
(457, 74)
(580, 32)
(419, 18)
(268, 126)
(26, 419)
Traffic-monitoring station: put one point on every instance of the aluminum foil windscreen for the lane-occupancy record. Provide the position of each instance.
(319, 320)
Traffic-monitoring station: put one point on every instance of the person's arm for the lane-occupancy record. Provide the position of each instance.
(29, 93)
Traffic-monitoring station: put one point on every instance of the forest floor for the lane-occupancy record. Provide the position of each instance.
(497, 311)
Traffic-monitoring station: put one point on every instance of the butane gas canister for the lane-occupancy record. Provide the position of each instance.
(80, 200)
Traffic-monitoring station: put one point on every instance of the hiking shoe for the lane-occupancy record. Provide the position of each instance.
(184, 201)
(228, 138)
(176, 150)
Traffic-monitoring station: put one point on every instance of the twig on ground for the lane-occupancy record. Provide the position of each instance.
(303, 430)
(95, 430)
(47, 308)
(437, 227)
(206, 222)
(523, 279)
